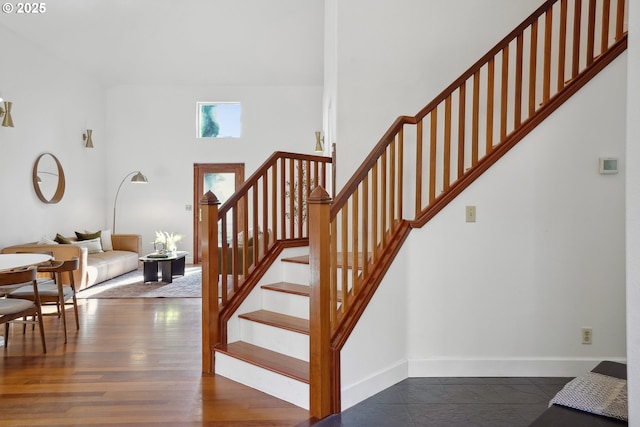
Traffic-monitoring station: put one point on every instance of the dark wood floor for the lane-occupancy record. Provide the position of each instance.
(134, 362)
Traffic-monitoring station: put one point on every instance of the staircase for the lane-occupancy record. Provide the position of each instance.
(269, 348)
(259, 327)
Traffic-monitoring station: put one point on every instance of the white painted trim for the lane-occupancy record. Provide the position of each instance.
(375, 383)
(514, 367)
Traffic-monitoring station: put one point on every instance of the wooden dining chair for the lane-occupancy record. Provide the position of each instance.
(55, 292)
(12, 308)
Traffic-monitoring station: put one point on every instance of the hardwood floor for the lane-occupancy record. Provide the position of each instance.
(134, 362)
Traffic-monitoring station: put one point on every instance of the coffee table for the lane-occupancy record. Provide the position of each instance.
(170, 265)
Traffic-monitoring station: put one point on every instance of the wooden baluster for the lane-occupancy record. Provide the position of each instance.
(392, 184)
(354, 239)
(292, 192)
(274, 200)
(562, 45)
(462, 105)
(223, 260)
(300, 197)
(320, 373)
(504, 100)
(265, 214)
(517, 109)
(210, 309)
(383, 198)
(620, 19)
(374, 212)
(490, 95)
(604, 35)
(432, 154)
(548, 31)
(334, 275)
(283, 198)
(418, 169)
(446, 169)
(533, 70)
(577, 19)
(475, 123)
(400, 191)
(365, 225)
(345, 254)
(591, 32)
(235, 253)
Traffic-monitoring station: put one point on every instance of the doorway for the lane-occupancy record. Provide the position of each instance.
(222, 179)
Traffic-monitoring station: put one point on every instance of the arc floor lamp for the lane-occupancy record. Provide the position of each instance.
(137, 178)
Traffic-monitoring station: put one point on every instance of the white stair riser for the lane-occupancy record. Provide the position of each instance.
(295, 273)
(275, 339)
(280, 386)
(285, 303)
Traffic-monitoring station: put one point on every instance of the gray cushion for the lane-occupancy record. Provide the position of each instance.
(46, 289)
(14, 305)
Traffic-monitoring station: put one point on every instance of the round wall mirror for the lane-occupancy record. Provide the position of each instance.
(48, 178)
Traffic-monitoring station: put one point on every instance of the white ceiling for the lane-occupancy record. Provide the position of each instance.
(182, 42)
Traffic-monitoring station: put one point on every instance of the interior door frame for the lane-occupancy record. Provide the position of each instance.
(199, 170)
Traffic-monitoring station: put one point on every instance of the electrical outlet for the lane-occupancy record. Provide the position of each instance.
(470, 213)
(587, 336)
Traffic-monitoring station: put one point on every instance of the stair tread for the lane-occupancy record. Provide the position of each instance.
(304, 259)
(293, 288)
(267, 359)
(283, 321)
(290, 288)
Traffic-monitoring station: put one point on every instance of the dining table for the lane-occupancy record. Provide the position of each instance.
(13, 261)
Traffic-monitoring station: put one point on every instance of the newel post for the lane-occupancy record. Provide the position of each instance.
(320, 388)
(209, 232)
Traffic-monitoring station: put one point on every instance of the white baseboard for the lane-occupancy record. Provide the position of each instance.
(356, 393)
(541, 367)
(538, 367)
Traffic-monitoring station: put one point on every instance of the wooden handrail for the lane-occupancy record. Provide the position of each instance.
(459, 134)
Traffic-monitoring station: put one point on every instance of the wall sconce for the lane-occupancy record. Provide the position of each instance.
(319, 143)
(7, 121)
(87, 137)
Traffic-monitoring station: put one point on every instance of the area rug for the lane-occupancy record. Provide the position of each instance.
(131, 285)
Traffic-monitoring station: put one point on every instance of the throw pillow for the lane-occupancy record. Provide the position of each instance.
(45, 240)
(107, 244)
(87, 236)
(61, 239)
(105, 238)
(93, 245)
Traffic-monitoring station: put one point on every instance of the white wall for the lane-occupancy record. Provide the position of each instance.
(375, 357)
(394, 57)
(52, 106)
(153, 129)
(633, 216)
(509, 294)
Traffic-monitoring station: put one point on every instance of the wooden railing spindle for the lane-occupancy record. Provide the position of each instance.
(504, 100)
(461, 129)
(577, 20)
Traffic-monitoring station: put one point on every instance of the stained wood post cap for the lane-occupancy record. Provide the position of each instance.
(319, 195)
(209, 199)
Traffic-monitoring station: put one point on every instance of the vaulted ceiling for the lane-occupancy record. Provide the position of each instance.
(187, 42)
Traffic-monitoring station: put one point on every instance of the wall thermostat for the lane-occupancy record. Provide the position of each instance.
(608, 165)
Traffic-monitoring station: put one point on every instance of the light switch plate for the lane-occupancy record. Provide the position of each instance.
(470, 213)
